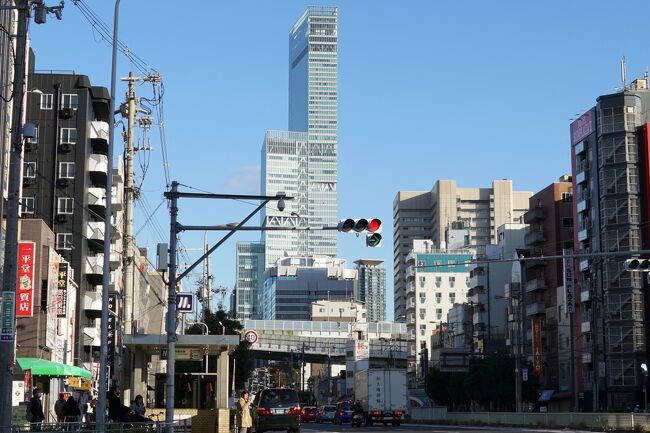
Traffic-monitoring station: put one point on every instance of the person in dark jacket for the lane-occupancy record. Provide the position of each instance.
(71, 410)
(116, 410)
(36, 408)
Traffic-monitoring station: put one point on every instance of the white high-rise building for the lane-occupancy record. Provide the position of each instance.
(302, 162)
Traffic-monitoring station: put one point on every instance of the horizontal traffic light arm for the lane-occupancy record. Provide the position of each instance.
(226, 227)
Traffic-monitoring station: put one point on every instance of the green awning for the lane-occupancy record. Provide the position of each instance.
(43, 367)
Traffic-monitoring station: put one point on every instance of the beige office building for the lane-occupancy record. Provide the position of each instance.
(451, 217)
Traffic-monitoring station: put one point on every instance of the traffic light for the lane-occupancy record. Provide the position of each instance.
(372, 227)
(638, 265)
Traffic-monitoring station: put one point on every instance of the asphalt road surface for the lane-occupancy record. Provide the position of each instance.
(312, 428)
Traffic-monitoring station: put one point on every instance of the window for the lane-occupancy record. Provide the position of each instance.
(452, 297)
(438, 297)
(452, 281)
(64, 241)
(69, 100)
(69, 135)
(46, 101)
(438, 281)
(66, 170)
(567, 222)
(423, 298)
(422, 281)
(27, 205)
(567, 197)
(29, 169)
(439, 313)
(65, 205)
(33, 140)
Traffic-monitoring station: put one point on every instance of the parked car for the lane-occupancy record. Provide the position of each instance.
(308, 413)
(276, 409)
(326, 414)
(343, 413)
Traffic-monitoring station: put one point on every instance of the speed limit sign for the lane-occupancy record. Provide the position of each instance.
(251, 337)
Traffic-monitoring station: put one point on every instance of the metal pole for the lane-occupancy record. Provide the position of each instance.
(103, 350)
(171, 310)
(10, 272)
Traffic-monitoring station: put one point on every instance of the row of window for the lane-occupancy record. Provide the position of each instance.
(68, 100)
(66, 136)
(66, 170)
(64, 205)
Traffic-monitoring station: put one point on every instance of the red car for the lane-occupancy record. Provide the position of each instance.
(308, 413)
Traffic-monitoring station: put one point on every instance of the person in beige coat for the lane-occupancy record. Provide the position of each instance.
(244, 413)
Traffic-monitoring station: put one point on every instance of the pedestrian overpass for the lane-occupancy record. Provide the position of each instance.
(325, 342)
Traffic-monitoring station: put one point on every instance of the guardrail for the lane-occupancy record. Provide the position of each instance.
(183, 426)
(601, 421)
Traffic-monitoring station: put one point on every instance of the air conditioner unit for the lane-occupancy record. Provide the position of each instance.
(62, 218)
(28, 181)
(63, 182)
(67, 112)
(65, 147)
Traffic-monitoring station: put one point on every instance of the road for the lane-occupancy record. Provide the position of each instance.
(312, 428)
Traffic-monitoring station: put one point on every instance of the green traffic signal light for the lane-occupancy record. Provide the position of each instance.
(373, 240)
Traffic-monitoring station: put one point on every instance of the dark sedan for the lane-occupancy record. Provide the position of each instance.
(276, 409)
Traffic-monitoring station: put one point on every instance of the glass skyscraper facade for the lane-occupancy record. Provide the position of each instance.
(250, 279)
(302, 162)
(371, 288)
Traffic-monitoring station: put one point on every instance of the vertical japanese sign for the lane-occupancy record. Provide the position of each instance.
(62, 291)
(112, 300)
(8, 316)
(537, 346)
(569, 290)
(52, 284)
(25, 289)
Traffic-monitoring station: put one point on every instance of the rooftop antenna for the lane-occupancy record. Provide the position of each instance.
(623, 74)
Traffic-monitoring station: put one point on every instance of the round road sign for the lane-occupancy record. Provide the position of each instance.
(251, 336)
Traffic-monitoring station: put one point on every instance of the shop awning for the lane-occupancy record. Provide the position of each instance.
(43, 367)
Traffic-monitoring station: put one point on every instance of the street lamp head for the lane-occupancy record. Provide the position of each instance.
(644, 369)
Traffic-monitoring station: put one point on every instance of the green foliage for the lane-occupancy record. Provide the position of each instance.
(490, 382)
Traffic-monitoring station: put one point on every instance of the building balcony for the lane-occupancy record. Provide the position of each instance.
(535, 214)
(91, 336)
(410, 258)
(117, 201)
(479, 318)
(581, 206)
(581, 177)
(410, 272)
(94, 233)
(534, 237)
(98, 168)
(95, 265)
(579, 148)
(114, 259)
(585, 327)
(99, 131)
(478, 280)
(93, 303)
(511, 290)
(585, 296)
(478, 298)
(535, 263)
(410, 287)
(97, 198)
(536, 309)
(535, 284)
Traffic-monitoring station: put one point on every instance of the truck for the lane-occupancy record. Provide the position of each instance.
(381, 392)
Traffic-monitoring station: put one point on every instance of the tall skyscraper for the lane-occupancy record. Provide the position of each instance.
(302, 162)
(371, 288)
(437, 213)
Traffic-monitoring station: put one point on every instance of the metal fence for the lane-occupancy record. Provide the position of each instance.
(183, 426)
(601, 421)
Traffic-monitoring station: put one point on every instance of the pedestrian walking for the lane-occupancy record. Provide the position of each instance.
(244, 419)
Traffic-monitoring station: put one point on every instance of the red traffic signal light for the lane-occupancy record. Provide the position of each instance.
(374, 225)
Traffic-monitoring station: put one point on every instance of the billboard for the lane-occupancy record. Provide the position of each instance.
(62, 291)
(582, 127)
(25, 283)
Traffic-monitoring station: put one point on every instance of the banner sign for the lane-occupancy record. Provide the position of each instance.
(582, 127)
(8, 316)
(569, 290)
(52, 291)
(25, 288)
(112, 301)
(62, 291)
(537, 346)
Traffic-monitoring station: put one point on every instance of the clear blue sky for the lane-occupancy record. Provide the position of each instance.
(470, 90)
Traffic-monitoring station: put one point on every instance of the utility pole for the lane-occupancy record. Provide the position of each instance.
(129, 196)
(208, 278)
(171, 310)
(10, 270)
